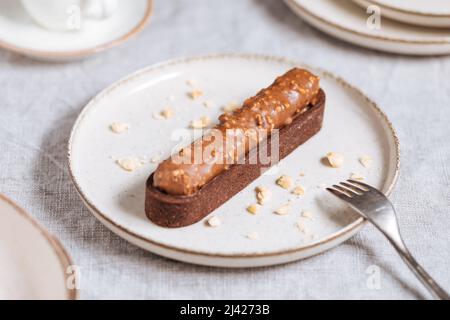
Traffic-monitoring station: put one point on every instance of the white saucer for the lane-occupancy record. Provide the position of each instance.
(430, 13)
(20, 34)
(347, 21)
(33, 264)
(353, 126)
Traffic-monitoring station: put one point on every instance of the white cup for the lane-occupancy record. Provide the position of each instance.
(68, 15)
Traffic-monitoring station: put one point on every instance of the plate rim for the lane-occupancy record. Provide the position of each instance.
(413, 12)
(63, 256)
(341, 233)
(74, 54)
(300, 7)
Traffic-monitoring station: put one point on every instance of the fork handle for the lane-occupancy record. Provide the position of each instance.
(420, 273)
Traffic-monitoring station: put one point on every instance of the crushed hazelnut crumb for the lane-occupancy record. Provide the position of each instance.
(335, 160)
(167, 113)
(118, 127)
(214, 222)
(301, 226)
(253, 235)
(177, 172)
(192, 82)
(195, 94)
(263, 195)
(209, 104)
(253, 209)
(129, 164)
(307, 214)
(284, 209)
(356, 176)
(201, 123)
(157, 116)
(230, 106)
(366, 161)
(285, 182)
(299, 191)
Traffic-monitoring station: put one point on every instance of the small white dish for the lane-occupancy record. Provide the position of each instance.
(430, 13)
(33, 264)
(18, 33)
(353, 126)
(347, 21)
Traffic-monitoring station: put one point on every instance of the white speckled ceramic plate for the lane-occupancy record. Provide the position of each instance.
(353, 126)
(20, 34)
(33, 264)
(348, 21)
(430, 13)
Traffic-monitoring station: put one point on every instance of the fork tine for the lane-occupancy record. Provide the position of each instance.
(340, 195)
(361, 184)
(348, 192)
(354, 188)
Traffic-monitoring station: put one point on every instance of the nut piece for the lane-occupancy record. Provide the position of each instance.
(192, 82)
(195, 94)
(253, 235)
(157, 116)
(366, 161)
(209, 104)
(301, 226)
(284, 209)
(335, 160)
(253, 209)
(214, 222)
(230, 106)
(167, 113)
(201, 123)
(285, 182)
(263, 195)
(307, 214)
(299, 191)
(118, 127)
(356, 176)
(129, 164)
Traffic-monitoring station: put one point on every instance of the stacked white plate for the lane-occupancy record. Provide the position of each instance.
(412, 27)
(33, 263)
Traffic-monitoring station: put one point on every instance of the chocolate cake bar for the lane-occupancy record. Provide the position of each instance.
(172, 209)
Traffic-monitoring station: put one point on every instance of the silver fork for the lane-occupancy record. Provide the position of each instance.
(377, 209)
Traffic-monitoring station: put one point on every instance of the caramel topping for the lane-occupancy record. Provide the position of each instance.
(271, 108)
